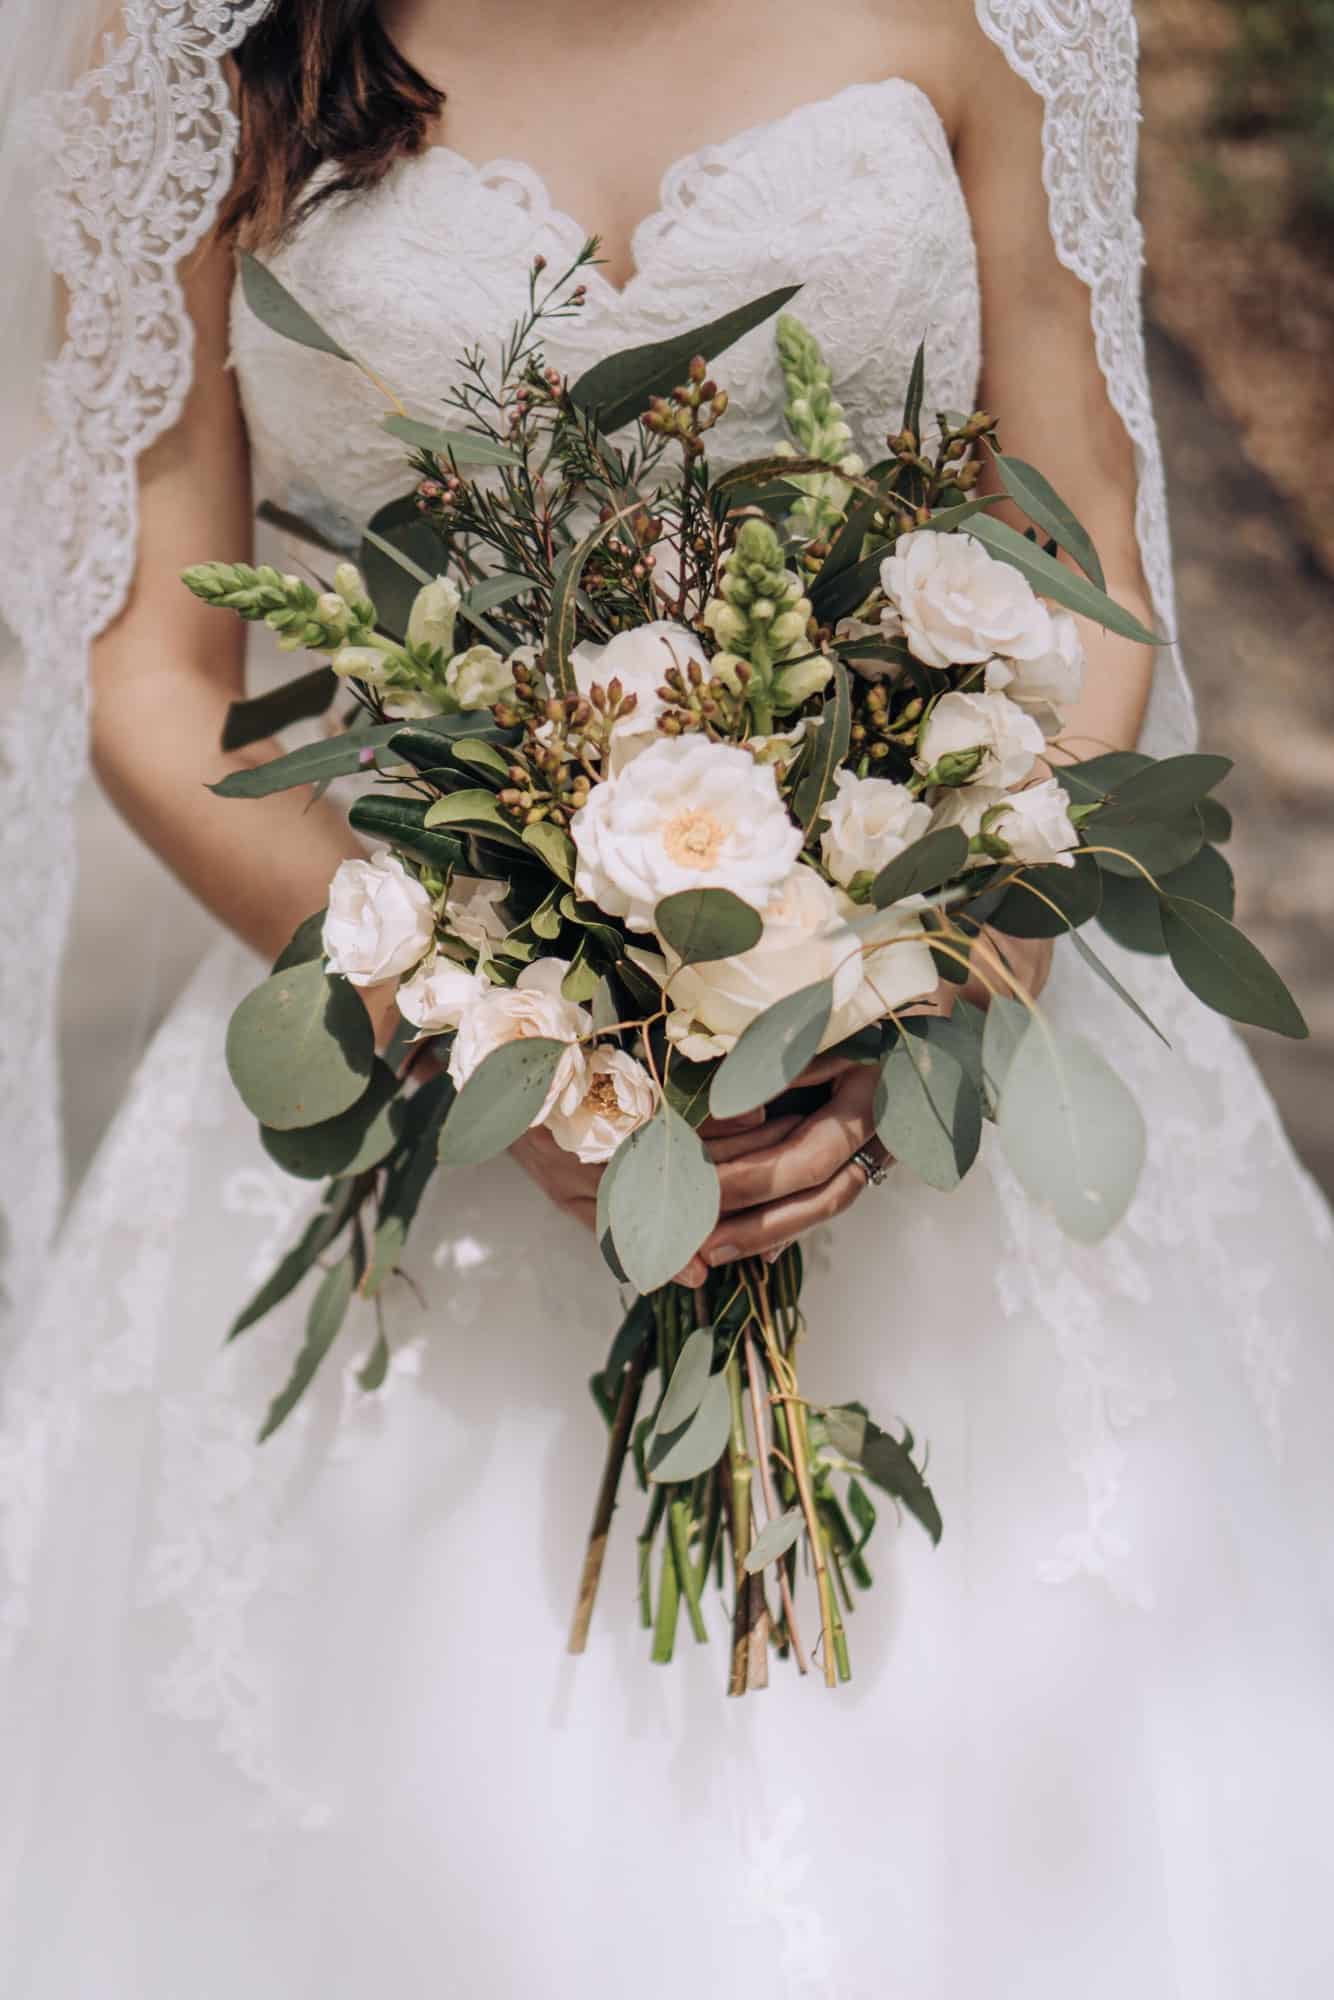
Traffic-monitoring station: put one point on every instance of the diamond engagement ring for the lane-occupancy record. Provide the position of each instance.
(875, 1170)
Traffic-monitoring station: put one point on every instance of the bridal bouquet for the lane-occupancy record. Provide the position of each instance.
(683, 778)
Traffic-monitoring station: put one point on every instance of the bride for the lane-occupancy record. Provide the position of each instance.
(298, 1720)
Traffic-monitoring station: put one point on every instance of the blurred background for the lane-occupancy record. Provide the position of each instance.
(1238, 200)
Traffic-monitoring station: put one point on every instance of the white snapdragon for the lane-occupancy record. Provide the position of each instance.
(438, 995)
(1049, 686)
(618, 1096)
(982, 738)
(380, 921)
(869, 821)
(688, 814)
(433, 614)
(479, 678)
(532, 1009)
(960, 605)
(638, 659)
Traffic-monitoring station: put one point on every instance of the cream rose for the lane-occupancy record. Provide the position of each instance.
(1049, 686)
(1034, 825)
(959, 604)
(688, 814)
(529, 1011)
(473, 911)
(805, 939)
(618, 1097)
(380, 921)
(896, 966)
(869, 822)
(439, 994)
(639, 660)
(982, 738)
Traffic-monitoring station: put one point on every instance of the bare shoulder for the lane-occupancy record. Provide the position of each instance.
(940, 45)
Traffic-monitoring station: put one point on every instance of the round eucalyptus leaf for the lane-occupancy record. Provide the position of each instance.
(1071, 1131)
(935, 858)
(500, 1100)
(1076, 892)
(773, 1051)
(698, 1446)
(300, 1048)
(928, 1112)
(359, 1138)
(663, 1201)
(701, 925)
(775, 1540)
(690, 1378)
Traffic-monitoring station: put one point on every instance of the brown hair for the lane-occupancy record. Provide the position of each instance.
(318, 81)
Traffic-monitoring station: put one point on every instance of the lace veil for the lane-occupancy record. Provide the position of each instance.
(106, 183)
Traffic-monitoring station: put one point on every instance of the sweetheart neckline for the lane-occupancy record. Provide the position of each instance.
(481, 171)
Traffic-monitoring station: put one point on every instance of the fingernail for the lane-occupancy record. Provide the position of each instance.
(725, 1253)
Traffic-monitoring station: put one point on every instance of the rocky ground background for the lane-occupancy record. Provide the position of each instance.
(1238, 195)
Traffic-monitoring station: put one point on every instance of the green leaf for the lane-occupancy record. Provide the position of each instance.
(828, 751)
(700, 1443)
(928, 1112)
(1007, 1024)
(1046, 510)
(1224, 969)
(946, 519)
(398, 548)
(846, 548)
(686, 1085)
(305, 943)
(474, 808)
(1076, 892)
(265, 714)
(774, 1540)
(554, 846)
(690, 1378)
(432, 743)
(562, 620)
(500, 1100)
(289, 523)
(912, 402)
(494, 591)
(1109, 978)
(300, 1048)
(463, 447)
(270, 301)
(479, 755)
(935, 858)
(1161, 846)
(773, 1051)
(1096, 777)
(1052, 579)
(399, 821)
(328, 1310)
(886, 1460)
(838, 595)
(409, 1174)
(371, 1375)
(774, 465)
(1169, 785)
(315, 1238)
(702, 925)
(1217, 821)
(358, 1139)
(1130, 912)
(664, 1199)
(960, 1032)
(617, 389)
(602, 1225)
(1071, 1131)
(312, 764)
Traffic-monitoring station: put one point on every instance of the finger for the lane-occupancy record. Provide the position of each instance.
(694, 1274)
(775, 1223)
(813, 1153)
(824, 1069)
(743, 1143)
(744, 1121)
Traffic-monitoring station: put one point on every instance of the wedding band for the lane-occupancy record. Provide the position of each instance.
(875, 1170)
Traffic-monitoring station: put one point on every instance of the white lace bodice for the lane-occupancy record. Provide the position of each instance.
(856, 196)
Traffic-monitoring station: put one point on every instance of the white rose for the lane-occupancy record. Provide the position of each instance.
(618, 1097)
(896, 966)
(1036, 825)
(960, 604)
(1007, 738)
(870, 821)
(434, 610)
(965, 806)
(527, 1011)
(804, 939)
(439, 994)
(473, 913)
(479, 678)
(639, 660)
(380, 922)
(1049, 686)
(688, 814)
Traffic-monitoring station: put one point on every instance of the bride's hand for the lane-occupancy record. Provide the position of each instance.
(806, 1174)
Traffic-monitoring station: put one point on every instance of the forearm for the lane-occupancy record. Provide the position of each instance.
(1110, 711)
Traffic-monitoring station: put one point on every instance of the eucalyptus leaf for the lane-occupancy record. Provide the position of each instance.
(1046, 510)
(1071, 1131)
(300, 1048)
(699, 1444)
(1127, 841)
(616, 389)
(1051, 578)
(1109, 978)
(935, 858)
(664, 1199)
(774, 1540)
(373, 1371)
(1169, 785)
(270, 301)
(912, 402)
(410, 1171)
(928, 1111)
(305, 943)
(313, 763)
(886, 1460)
(1217, 821)
(358, 1139)
(1007, 1024)
(263, 715)
(328, 1310)
(1076, 893)
(463, 447)
(703, 925)
(1130, 914)
(946, 519)
(315, 1238)
(1224, 969)
(690, 1378)
(500, 1100)
(828, 750)
(1096, 777)
(772, 1051)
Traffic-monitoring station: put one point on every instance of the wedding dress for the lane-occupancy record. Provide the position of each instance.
(298, 1719)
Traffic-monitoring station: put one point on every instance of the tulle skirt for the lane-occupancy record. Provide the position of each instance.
(297, 1720)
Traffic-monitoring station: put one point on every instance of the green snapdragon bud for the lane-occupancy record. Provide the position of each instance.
(761, 612)
(818, 426)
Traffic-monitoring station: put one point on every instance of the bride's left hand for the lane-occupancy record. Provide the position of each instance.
(809, 1175)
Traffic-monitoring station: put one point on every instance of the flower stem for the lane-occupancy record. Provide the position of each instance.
(617, 1446)
(770, 1503)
